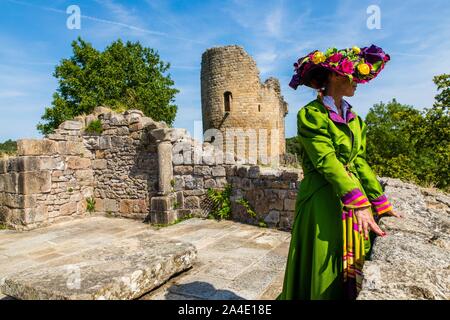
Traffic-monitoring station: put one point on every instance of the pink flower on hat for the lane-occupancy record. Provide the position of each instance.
(335, 58)
(346, 66)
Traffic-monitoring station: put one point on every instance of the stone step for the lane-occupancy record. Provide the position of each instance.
(124, 269)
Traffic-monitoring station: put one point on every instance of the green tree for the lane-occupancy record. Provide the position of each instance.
(443, 98)
(293, 145)
(405, 143)
(434, 135)
(391, 138)
(8, 147)
(123, 76)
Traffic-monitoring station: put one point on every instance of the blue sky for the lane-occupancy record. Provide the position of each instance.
(34, 38)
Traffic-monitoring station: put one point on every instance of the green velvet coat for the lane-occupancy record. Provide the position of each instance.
(327, 250)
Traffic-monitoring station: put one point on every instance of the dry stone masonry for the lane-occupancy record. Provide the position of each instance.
(136, 168)
(236, 104)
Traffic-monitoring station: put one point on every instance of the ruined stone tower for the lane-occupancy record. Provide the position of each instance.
(249, 114)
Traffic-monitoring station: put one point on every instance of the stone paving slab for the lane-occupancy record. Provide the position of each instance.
(245, 262)
(228, 253)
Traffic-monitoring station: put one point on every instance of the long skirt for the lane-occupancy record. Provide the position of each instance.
(326, 252)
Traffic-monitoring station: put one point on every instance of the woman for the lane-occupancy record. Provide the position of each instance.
(339, 194)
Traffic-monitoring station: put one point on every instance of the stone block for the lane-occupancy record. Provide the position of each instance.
(104, 142)
(162, 204)
(183, 170)
(9, 182)
(130, 206)
(17, 201)
(289, 204)
(76, 163)
(163, 217)
(210, 183)
(99, 164)
(198, 192)
(99, 205)
(68, 209)
(84, 175)
(34, 182)
(178, 183)
(242, 171)
(5, 214)
(117, 119)
(123, 269)
(273, 218)
(230, 170)
(192, 202)
(71, 148)
(202, 170)
(30, 147)
(192, 183)
(165, 167)
(71, 125)
(168, 134)
(34, 215)
(254, 172)
(221, 182)
(218, 171)
(180, 199)
(3, 165)
(290, 175)
(110, 205)
(246, 184)
(51, 163)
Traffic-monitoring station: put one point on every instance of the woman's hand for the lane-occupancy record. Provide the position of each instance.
(393, 214)
(366, 221)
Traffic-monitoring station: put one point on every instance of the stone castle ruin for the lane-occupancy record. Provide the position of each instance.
(240, 114)
(142, 169)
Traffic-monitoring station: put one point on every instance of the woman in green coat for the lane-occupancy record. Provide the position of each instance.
(339, 194)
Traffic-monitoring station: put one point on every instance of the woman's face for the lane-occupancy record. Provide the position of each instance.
(342, 85)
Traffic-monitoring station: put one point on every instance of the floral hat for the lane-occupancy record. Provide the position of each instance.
(359, 64)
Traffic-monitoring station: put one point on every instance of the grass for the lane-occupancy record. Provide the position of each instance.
(95, 127)
(3, 226)
(90, 205)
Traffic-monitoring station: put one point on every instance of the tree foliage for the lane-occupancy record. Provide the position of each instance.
(123, 76)
(413, 145)
(9, 147)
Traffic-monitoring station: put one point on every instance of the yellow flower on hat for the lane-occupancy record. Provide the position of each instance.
(318, 57)
(356, 49)
(363, 69)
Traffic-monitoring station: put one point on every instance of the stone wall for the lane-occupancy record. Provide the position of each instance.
(125, 164)
(53, 178)
(49, 179)
(198, 167)
(135, 168)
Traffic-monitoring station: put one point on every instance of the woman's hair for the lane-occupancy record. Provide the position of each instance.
(318, 78)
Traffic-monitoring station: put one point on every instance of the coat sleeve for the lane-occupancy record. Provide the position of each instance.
(368, 179)
(317, 143)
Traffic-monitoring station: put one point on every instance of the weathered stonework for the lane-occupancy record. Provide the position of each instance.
(233, 98)
(46, 182)
(413, 261)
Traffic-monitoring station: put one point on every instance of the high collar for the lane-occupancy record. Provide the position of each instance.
(335, 116)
